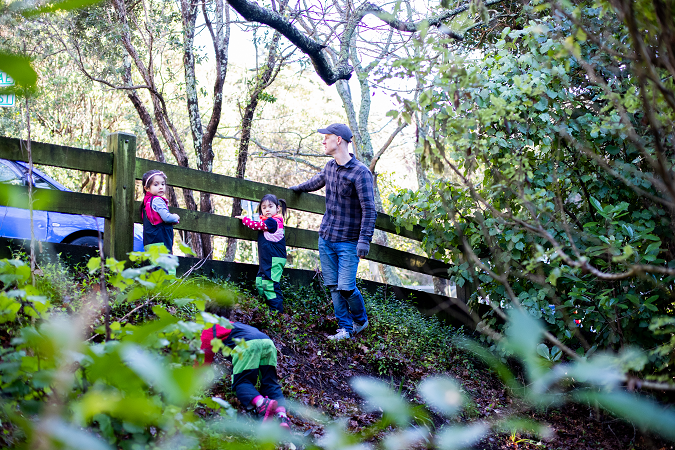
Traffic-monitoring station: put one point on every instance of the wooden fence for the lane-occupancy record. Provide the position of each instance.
(120, 209)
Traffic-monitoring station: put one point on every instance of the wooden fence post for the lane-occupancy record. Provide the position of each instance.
(119, 229)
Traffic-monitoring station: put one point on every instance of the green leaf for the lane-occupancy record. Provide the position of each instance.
(524, 334)
(459, 437)
(596, 204)
(627, 253)
(581, 36)
(179, 384)
(512, 424)
(167, 262)
(379, 395)
(493, 362)
(644, 413)
(185, 249)
(150, 330)
(66, 5)
(94, 264)
(69, 436)
(20, 69)
(405, 439)
(138, 409)
(441, 393)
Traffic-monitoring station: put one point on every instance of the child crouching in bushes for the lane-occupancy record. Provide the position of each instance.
(257, 357)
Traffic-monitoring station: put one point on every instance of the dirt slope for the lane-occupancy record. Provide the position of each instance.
(316, 372)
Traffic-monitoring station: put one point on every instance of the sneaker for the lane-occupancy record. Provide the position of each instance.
(284, 423)
(341, 334)
(359, 328)
(266, 409)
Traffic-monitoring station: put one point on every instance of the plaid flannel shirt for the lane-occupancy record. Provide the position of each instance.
(350, 204)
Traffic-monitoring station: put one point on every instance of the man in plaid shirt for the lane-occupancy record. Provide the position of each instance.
(347, 227)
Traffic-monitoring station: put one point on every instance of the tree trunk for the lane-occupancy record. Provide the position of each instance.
(204, 152)
(264, 79)
(242, 159)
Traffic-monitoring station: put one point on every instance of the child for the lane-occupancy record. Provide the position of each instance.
(157, 220)
(271, 249)
(256, 357)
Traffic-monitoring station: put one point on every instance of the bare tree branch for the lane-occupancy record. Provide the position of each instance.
(386, 145)
(255, 13)
(289, 155)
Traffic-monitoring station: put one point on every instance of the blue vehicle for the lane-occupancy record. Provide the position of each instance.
(49, 226)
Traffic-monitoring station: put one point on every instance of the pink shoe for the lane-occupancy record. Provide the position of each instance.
(283, 422)
(267, 409)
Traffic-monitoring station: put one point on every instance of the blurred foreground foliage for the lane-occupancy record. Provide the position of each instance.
(65, 386)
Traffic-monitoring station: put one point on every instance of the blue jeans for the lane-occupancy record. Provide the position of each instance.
(338, 265)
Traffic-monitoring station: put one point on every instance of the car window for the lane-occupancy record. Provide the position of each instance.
(8, 176)
(40, 182)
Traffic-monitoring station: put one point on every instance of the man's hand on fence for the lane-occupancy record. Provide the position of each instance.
(295, 189)
(362, 249)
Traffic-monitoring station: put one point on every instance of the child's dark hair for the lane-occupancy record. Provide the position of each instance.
(147, 178)
(279, 202)
(218, 308)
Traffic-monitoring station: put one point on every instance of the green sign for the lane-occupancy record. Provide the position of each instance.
(6, 99)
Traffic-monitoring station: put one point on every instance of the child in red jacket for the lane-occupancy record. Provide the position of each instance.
(255, 358)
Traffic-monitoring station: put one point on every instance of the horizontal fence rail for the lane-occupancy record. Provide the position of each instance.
(59, 201)
(296, 237)
(57, 155)
(214, 183)
(120, 209)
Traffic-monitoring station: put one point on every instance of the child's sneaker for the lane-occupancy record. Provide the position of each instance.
(267, 409)
(359, 328)
(341, 334)
(284, 423)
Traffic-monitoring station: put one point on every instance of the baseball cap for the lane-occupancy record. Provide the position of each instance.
(338, 129)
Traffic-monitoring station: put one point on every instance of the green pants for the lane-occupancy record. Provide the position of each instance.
(252, 361)
(268, 285)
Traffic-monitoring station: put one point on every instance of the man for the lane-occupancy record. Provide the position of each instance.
(347, 227)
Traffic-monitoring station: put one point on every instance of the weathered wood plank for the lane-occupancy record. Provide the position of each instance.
(59, 201)
(206, 223)
(404, 260)
(118, 236)
(57, 155)
(229, 186)
(299, 238)
(251, 190)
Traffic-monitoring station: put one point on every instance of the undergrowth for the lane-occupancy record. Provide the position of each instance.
(398, 341)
